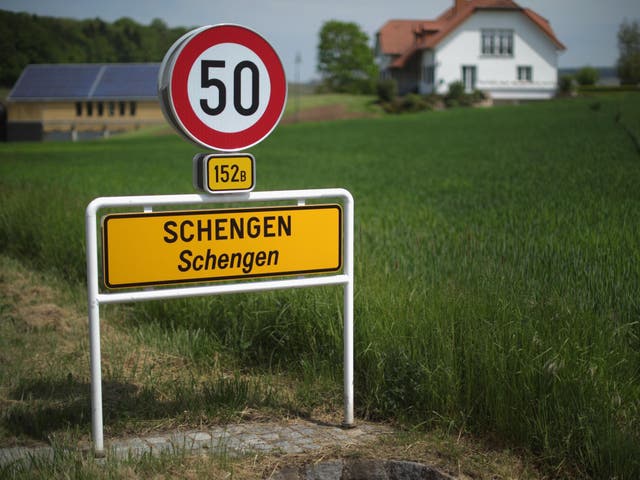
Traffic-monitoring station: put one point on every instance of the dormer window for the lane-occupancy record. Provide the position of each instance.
(497, 43)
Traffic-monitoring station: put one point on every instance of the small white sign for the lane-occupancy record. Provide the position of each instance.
(229, 95)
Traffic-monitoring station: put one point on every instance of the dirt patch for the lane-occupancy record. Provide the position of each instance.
(46, 315)
(358, 468)
(33, 304)
(323, 113)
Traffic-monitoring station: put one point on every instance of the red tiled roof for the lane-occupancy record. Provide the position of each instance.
(406, 37)
(398, 35)
(544, 24)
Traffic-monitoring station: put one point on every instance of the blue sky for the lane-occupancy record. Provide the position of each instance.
(587, 27)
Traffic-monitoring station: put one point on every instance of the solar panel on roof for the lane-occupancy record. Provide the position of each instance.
(85, 82)
(136, 80)
(55, 81)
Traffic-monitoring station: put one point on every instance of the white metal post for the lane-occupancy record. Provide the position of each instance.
(94, 331)
(95, 297)
(348, 313)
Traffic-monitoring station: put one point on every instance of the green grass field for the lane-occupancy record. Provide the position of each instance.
(497, 276)
(353, 103)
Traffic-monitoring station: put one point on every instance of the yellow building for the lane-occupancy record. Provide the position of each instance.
(81, 100)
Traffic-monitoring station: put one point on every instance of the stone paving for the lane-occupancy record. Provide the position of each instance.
(232, 440)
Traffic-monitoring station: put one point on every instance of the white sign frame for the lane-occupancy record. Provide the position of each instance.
(96, 298)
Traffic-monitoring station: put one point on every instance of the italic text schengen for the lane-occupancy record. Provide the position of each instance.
(206, 238)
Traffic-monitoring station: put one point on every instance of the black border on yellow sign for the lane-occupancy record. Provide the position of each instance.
(201, 179)
(105, 246)
(252, 172)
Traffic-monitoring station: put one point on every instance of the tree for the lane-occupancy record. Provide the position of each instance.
(345, 59)
(26, 38)
(629, 46)
(565, 85)
(587, 76)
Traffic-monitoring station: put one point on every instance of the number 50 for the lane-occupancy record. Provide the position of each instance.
(207, 82)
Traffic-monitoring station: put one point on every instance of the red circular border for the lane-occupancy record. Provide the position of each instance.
(178, 92)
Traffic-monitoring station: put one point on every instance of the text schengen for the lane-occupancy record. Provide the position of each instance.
(206, 238)
(160, 248)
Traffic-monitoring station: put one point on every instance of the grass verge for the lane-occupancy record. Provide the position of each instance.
(44, 395)
(497, 271)
(147, 384)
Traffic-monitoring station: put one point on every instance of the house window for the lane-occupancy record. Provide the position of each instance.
(497, 42)
(505, 45)
(123, 108)
(525, 73)
(488, 45)
(100, 109)
(78, 109)
(469, 78)
(89, 109)
(112, 109)
(429, 74)
(132, 108)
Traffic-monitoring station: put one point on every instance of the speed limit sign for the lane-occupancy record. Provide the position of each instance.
(223, 87)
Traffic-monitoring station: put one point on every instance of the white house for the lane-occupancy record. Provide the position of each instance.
(495, 46)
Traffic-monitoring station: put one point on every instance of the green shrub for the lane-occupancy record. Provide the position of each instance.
(466, 100)
(414, 103)
(478, 96)
(587, 76)
(361, 86)
(387, 90)
(457, 97)
(565, 85)
(434, 101)
(609, 89)
(456, 91)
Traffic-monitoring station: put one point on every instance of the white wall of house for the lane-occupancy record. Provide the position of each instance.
(497, 75)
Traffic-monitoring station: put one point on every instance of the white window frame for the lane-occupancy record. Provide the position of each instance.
(469, 77)
(429, 73)
(496, 42)
(524, 73)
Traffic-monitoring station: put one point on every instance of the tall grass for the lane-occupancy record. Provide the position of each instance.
(497, 266)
